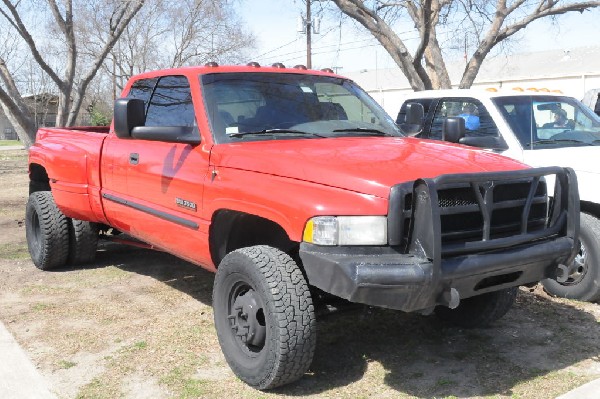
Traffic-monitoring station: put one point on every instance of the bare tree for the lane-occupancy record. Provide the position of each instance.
(167, 34)
(71, 83)
(488, 22)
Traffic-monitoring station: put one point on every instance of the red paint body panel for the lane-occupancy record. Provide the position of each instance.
(285, 181)
(71, 158)
(368, 165)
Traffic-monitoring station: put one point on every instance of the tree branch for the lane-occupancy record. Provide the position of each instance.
(24, 33)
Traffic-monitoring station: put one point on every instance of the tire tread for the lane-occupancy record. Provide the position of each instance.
(54, 231)
(293, 310)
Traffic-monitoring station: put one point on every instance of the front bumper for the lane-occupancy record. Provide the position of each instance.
(409, 283)
(422, 267)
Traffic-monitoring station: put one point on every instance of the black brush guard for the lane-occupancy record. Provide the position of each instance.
(457, 236)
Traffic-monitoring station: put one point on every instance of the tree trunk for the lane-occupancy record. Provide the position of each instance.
(358, 11)
(21, 120)
(434, 62)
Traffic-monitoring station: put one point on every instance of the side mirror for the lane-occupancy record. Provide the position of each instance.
(168, 134)
(414, 114)
(413, 119)
(491, 142)
(453, 129)
(128, 114)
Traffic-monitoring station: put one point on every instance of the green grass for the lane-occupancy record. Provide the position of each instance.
(40, 307)
(65, 364)
(140, 345)
(13, 251)
(178, 379)
(4, 143)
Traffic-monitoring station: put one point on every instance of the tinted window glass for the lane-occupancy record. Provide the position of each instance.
(171, 103)
(142, 89)
(274, 106)
(478, 122)
(541, 121)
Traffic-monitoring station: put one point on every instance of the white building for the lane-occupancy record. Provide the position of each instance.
(573, 72)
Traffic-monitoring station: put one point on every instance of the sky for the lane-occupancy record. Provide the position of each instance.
(348, 48)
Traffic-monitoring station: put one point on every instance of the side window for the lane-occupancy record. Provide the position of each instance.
(142, 89)
(478, 122)
(171, 103)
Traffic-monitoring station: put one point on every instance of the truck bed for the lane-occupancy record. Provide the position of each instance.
(74, 171)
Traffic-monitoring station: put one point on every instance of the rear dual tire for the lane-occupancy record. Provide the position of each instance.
(54, 239)
(47, 231)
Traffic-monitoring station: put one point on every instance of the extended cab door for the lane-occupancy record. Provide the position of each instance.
(154, 189)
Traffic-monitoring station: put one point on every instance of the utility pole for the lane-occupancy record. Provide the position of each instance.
(308, 26)
(308, 32)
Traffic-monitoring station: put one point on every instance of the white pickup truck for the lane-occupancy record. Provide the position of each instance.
(537, 128)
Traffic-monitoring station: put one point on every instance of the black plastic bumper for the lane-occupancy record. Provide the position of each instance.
(420, 269)
(409, 283)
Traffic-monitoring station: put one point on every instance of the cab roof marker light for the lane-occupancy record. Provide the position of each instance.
(300, 66)
(328, 70)
(211, 64)
(253, 64)
(278, 65)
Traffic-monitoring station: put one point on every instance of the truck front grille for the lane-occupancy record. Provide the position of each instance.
(462, 219)
(477, 212)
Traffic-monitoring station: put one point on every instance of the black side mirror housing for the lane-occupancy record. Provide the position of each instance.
(130, 118)
(490, 142)
(169, 134)
(453, 129)
(414, 113)
(413, 119)
(128, 114)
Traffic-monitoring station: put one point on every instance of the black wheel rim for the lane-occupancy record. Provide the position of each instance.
(246, 317)
(36, 232)
(580, 266)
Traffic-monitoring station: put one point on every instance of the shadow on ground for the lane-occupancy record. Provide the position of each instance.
(415, 355)
(177, 273)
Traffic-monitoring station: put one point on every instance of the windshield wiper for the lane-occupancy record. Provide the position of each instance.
(275, 131)
(363, 130)
(551, 141)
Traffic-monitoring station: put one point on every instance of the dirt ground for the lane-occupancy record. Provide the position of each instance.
(138, 324)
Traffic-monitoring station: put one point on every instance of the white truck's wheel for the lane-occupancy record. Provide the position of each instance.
(584, 281)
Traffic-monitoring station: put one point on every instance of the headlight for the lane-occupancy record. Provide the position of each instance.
(346, 230)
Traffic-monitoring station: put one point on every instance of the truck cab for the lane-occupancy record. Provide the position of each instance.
(536, 128)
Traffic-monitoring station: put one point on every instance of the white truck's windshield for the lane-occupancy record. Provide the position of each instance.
(549, 121)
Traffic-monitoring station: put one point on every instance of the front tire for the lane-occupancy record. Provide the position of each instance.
(584, 281)
(264, 316)
(47, 231)
(480, 310)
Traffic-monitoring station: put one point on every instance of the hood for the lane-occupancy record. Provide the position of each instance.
(368, 165)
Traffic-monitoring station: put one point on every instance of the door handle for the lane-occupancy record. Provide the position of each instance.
(134, 158)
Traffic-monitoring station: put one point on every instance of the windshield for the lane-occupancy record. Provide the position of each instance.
(549, 121)
(275, 106)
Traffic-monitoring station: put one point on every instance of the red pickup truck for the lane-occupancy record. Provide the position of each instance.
(294, 185)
